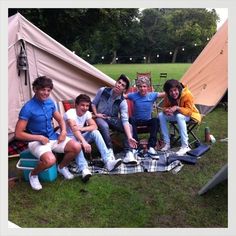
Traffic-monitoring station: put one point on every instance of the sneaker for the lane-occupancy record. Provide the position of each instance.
(111, 154)
(129, 158)
(113, 164)
(166, 147)
(182, 151)
(65, 172)
(86, 174)
(153, 153)
(34, 182)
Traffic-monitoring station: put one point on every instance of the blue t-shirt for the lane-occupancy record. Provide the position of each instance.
(39, 116)
(143, 105)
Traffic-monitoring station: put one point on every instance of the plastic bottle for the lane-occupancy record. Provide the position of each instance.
(207, 135)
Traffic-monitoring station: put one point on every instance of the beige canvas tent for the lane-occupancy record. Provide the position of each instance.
(45, 56)
(207, 77)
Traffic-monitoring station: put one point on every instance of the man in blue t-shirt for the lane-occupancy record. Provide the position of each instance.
(143, 105)
(35, 126)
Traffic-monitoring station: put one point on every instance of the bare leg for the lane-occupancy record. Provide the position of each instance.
(72, 148)
(46, 161)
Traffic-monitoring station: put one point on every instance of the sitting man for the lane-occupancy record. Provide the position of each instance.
(82, 127)
(143, 106)
(35, 125)
(178, 106)
(111, 111)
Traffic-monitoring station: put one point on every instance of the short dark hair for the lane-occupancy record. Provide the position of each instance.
(125, 79)
(42, 82)
(82, 98)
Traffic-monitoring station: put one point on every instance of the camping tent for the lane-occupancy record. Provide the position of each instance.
(71, 75)
(207, 77)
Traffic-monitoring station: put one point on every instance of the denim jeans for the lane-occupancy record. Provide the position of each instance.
(181, 121)
(153, 128)
(104, 126)
(92, 136)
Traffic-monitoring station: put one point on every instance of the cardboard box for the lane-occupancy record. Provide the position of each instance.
(28, 162)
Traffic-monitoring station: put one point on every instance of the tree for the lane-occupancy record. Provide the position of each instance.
(189, 28)
(154, 28)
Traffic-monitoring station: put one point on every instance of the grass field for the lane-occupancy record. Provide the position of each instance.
(174, 71)
(152, 200)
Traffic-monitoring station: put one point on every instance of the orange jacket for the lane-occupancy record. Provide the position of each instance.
(186, 105)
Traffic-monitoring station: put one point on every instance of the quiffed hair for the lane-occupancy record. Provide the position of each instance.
(143, 80)
(125, 79)
(82, 98)
(42, 82)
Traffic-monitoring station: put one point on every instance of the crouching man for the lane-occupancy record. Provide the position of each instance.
(35, 125)
(111, 111)
(82, 127)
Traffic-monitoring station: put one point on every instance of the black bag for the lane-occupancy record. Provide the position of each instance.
(199, 151)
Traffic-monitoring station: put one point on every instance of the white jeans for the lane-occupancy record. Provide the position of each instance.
(38, 149)
(181, 121)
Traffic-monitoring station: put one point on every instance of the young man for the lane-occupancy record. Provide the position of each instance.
(35, 125)
(178, 106)
(111, 111)
(143, 106)
(81, 127)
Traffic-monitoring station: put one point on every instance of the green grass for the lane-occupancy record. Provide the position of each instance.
(156, 200)
(174, 70)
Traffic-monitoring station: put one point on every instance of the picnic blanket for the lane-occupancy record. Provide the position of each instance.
(146, 163)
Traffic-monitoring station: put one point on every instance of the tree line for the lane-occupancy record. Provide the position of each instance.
(104, 35)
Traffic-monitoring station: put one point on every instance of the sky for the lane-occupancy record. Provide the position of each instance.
(223, 14)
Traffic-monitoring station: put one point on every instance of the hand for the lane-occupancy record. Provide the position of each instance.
(133, 143)
(62, 136)
(44, 140)
(103, 116)
(174, 109)
(87, 147)
(168, 112)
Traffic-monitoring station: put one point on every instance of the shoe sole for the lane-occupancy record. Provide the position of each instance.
(116, 165)
(131, 162)
(86, 178)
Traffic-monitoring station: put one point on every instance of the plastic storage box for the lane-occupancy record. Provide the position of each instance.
(28, 162)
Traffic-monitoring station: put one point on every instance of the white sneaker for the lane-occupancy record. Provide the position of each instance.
(86, 174)
(182, 151)
(111, 155)
(113, 164)
(65, 172)
(34, 182)
(129, 158)
(166, 147)
(153, 153)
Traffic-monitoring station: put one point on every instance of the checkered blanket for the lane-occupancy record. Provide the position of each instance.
(145, 164)
(16, 147)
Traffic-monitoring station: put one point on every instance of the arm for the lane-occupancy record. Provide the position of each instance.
(95, 103)
(57, 116)
(132, 142)
(126, 125)
(22, 135)
(161, 94)
(76, 130)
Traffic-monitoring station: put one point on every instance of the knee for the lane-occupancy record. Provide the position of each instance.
(161, 116)
(95, 133)
(48, 160)
(180, 117)
(73, 146)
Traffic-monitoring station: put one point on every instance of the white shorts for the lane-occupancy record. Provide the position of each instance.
(38, 149)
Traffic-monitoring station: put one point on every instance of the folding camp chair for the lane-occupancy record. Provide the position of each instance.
(191, 126)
